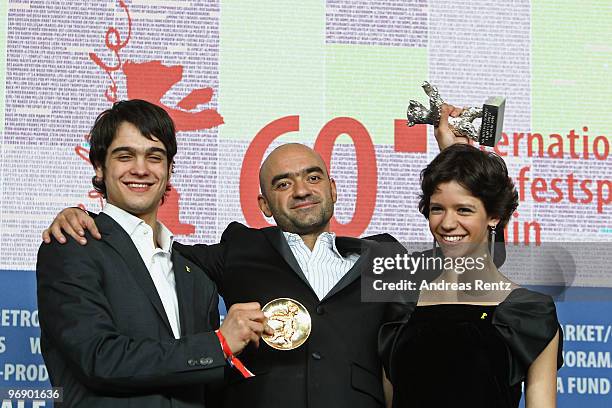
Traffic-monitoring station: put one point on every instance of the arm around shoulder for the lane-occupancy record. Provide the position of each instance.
(209, 258)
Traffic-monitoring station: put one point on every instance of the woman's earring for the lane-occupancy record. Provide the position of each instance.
(492, 233)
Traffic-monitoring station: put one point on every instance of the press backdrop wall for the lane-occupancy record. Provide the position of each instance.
(239, 77)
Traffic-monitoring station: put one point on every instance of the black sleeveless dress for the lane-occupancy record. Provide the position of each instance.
(457, 355)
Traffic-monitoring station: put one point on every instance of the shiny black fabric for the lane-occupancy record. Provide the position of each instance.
(468, 355)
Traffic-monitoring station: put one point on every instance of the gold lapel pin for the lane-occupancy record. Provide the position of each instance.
(187, 268)
(483, 316)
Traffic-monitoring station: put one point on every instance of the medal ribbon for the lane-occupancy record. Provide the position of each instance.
(232, 360)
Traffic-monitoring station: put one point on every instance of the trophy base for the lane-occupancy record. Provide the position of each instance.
(492, 121)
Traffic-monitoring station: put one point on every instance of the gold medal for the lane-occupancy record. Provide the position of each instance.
(290, 321)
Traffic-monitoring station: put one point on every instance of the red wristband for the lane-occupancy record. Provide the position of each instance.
(227, 351)
(231, 359)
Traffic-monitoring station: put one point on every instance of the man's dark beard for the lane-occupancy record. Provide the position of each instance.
(302, 228)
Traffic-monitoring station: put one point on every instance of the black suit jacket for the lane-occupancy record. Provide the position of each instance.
(105, 336)
(338, 366)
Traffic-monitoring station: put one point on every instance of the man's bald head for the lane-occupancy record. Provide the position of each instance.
(275, 162)
(296, 189)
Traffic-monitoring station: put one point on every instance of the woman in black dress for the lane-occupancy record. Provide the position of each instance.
(467, 344)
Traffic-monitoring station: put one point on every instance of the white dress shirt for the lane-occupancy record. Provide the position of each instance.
(157, 260)
(323, 266)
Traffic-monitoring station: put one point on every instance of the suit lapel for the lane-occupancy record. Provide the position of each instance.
(278, 241)
(121, 242)
(347, 245)
(185, 286)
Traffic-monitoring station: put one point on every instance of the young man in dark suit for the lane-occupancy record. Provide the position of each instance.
(126, 320)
